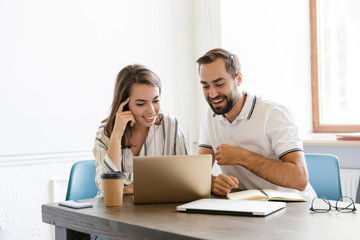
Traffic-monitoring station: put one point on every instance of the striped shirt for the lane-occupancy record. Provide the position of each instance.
(163, 139)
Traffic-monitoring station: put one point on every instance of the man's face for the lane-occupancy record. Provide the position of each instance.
(220, 89)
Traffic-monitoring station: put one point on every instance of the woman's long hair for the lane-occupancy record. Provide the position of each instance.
(128, 76)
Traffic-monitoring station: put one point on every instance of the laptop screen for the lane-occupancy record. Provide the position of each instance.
(176, 178)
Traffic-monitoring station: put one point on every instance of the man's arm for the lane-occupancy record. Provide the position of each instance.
(205, 150)
(290, 172)
(222, 184)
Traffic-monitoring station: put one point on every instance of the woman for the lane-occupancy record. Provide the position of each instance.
(135, 126)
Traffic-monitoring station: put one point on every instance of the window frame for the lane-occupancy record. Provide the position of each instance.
(317, 126)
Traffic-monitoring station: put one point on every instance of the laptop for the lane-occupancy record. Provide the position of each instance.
(175, 178)
(231, 207)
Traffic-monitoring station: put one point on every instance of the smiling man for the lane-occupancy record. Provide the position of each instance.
(254, 141)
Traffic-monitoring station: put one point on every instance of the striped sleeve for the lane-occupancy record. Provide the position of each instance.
(174, 141)
(127, 165)
(283, 131)
(180, 143)
(103, 161)
(180, 148)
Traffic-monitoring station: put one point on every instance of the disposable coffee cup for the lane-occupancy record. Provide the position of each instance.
(113, 186)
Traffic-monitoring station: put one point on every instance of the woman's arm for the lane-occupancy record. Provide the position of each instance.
(121, 121)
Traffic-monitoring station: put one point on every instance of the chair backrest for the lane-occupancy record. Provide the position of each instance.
(82, 181)
(324, 175)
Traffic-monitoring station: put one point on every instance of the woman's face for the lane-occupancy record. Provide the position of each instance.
(144, 103)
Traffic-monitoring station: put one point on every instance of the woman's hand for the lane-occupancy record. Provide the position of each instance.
(121, 120)
(129, 189)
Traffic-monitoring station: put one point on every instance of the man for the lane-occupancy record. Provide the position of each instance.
(254, 141)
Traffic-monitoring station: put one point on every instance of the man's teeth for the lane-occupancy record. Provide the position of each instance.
(217, 101)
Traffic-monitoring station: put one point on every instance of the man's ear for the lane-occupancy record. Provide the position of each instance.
(238, 79)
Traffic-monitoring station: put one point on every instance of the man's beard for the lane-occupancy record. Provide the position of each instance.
(230, 102)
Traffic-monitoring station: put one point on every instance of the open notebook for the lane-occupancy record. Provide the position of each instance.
(231, 207)
(178, 178)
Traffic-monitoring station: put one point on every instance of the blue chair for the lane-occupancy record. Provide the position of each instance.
(82, 181)
(324, 175)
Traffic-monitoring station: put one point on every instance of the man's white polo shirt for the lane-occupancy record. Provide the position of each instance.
(262, 127)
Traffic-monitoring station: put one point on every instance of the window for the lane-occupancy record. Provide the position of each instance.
(335, 61)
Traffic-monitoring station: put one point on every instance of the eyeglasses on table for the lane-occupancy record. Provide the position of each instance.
(322, 205)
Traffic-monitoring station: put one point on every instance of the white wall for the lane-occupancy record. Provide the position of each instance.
(272, 41)
(59, 60)
(58, 63)
(23, 190)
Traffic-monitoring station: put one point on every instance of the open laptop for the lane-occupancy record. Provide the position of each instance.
(231, 207)
(176, 178)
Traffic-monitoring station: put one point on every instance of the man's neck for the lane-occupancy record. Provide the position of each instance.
(236, 109)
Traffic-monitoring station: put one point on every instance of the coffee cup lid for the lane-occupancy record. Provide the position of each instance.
(113, 175)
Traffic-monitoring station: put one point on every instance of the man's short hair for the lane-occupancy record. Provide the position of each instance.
(232, 63)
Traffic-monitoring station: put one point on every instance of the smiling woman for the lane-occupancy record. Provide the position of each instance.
(144, 104)
(136, 126)
(58, 61)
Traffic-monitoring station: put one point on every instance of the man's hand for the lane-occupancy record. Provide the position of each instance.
(228, 154)
(223, 184)
(289, 172)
